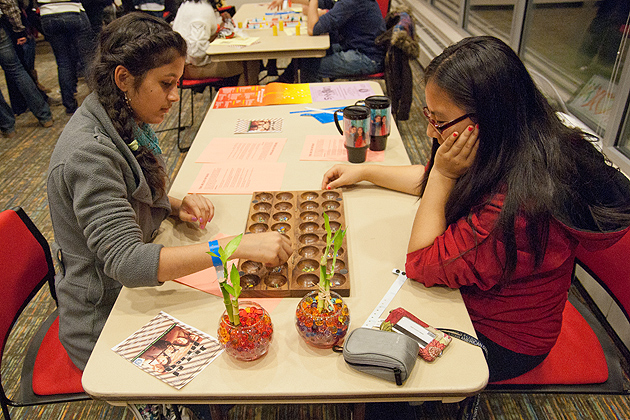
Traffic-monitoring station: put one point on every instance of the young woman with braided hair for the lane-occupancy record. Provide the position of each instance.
(107, 185)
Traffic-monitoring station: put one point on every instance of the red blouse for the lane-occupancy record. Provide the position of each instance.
(525, 314)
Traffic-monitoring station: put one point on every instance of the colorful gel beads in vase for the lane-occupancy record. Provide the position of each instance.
(322, 329)
(251, 339)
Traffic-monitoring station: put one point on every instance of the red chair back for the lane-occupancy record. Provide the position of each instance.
(384, 6)
(24, 268)
(611, 267)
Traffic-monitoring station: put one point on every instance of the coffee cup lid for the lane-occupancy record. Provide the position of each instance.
(356, 111)
(378, 101)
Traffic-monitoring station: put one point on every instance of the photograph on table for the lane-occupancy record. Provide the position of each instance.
(262, 125)
(169, 350)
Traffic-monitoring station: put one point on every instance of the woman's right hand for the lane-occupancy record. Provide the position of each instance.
(341, 175)
(269, 248)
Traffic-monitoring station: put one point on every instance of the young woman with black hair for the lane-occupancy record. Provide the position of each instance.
(507, 195)
(107, 185)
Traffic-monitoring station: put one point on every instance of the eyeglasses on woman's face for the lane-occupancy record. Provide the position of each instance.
(441, 127)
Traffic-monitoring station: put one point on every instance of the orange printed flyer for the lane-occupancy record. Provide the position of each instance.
(271, 94)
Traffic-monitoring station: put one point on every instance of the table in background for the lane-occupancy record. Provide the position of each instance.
(378, 224)
(269, 46)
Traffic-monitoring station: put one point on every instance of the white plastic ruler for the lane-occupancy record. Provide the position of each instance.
(374, 319)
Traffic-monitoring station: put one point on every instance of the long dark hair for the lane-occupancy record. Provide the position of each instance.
(139, 42)
(544, 168)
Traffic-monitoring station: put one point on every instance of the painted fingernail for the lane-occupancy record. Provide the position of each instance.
(470, 128)
(194, 219)
(201, 220)
(455, 134)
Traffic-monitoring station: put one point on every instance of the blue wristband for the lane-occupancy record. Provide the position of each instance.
(214, 248)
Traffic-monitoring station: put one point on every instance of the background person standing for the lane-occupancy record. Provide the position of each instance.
(15, 73)
(68, 30)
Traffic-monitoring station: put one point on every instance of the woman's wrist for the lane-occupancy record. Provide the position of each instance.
(176, 204)
(442, 182)
(368, 173)
(430, 220)
(446, 174)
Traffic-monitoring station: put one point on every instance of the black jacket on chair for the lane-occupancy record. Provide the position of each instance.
(399, 39)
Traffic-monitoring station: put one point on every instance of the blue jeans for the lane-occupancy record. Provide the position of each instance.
(70, 36)
(7, 120)
(16, 75)
(337, 64)
(26, 54)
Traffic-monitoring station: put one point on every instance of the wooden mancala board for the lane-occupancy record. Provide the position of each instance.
(298, 214)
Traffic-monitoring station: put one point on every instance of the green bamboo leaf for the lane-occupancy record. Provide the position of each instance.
(235, 278)
(228, 288)
(231, 247)
(338, 239)
(328, 230)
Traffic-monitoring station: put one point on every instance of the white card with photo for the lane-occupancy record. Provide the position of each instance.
(261, 125)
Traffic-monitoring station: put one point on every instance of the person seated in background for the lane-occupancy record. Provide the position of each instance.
(199, 23)
(508, 194)
(354, 24)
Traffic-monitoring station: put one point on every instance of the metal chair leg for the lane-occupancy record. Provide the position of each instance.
(192, 107)
(358, 411)
(179, 120)
(5, 411)
(216, 412)
(468, 408)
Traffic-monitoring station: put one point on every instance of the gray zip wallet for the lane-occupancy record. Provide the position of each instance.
(385, 354)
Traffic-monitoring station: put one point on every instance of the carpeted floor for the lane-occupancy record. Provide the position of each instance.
(23, 163)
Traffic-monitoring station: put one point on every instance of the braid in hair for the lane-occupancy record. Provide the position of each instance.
(139, 42)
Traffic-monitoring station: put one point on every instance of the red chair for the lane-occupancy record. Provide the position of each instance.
(48, 375)
(585, 359)
(372, 76)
